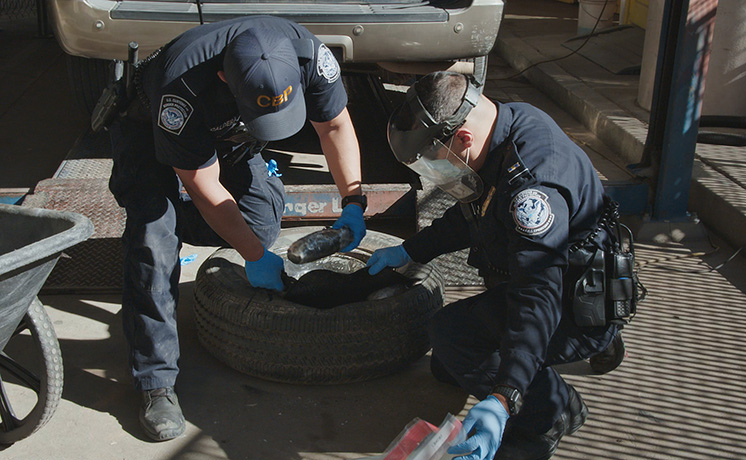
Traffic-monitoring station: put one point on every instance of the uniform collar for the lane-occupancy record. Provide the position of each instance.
(502, 125)
(500, 134)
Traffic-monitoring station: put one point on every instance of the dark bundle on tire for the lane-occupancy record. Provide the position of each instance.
(329, 289)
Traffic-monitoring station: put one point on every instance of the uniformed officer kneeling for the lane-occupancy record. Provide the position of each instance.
(526, 193)
(207, 104)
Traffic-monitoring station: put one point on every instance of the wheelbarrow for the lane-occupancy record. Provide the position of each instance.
(31, 242)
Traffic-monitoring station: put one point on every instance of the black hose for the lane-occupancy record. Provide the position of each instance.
(722, 121)
(731, 139)
(719, 138)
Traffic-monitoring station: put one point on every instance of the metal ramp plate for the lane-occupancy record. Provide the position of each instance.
(94, 265)
(431, 204)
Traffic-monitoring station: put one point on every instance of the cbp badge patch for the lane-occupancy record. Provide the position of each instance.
(531, 212)
(174, 113)
(327, 65)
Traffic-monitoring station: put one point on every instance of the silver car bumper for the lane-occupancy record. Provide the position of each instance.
(360, 33)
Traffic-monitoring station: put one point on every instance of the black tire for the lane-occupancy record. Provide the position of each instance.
(258, 332)
(43, 376)
(88, 78)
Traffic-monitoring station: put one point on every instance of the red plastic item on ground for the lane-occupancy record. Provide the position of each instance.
(421, 440)
(409, 439)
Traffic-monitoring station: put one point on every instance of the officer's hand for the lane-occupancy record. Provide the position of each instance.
(489, 418)
(265, 272)
(394, 256)
(352, 218)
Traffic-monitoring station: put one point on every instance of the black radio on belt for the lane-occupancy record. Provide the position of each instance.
(607, 289)
(621, 290)
(606, 292)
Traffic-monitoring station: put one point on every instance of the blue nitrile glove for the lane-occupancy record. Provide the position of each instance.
(395, 256)
(273, 169)
(489, 418)
(265, 272)
(352, 218)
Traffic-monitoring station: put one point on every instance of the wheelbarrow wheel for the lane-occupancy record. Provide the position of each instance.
(38, 370)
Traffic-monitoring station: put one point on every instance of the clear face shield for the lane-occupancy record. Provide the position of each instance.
(417, 141)
(438, 164)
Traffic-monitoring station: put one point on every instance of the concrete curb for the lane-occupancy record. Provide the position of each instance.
(718, 201)
(607, 120)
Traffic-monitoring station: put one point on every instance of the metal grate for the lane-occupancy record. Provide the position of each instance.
(88, 168)
(431, 204)
(94, 265)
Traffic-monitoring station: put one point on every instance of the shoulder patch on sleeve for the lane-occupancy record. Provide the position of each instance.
(326, 64)
(531, 212)
(174, 113)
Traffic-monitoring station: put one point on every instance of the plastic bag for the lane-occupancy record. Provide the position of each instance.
(421, 440)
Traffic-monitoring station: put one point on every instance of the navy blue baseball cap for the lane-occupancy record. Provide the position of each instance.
(262, 71)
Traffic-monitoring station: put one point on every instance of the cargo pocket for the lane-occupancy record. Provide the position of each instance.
(262, 204)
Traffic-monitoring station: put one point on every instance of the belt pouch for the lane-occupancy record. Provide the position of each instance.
(589, 295)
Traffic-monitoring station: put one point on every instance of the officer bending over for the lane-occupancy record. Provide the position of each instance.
(210, 100)
(526, 193)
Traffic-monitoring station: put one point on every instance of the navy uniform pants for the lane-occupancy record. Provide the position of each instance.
(466, 335)
(159, 219)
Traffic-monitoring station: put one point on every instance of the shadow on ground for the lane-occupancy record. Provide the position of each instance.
(233, 415)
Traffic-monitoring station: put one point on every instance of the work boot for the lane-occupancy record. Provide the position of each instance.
(160, 414)
(611, 357)
(519, 445)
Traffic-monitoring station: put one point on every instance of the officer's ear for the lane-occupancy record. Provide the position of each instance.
(221, 75)
(465, 137)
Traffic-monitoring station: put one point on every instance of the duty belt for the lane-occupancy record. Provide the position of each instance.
(609, 220)
(139, 69)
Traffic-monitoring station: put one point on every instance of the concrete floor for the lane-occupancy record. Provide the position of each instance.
(679, 394)
(229, 414)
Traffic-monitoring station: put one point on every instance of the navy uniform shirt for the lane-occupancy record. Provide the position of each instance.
(192, 109)
(541, 194)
